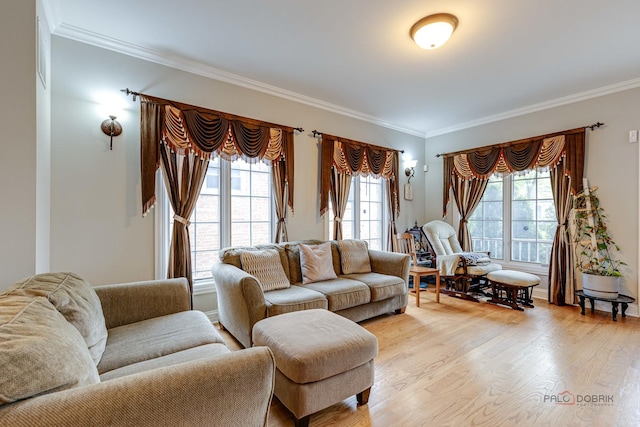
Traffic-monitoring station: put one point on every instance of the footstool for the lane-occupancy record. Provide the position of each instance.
(321, 359)
(510, 287)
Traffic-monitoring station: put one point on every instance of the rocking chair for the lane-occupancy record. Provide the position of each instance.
(464, 273)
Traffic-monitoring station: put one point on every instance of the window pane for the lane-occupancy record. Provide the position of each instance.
(249, 191)
(260, 208)
(523, 230)
(546, 210)
(523, 210)
(206, 236)
(493, 211)
(485, 224)
(533, 218)
(201, 263)
(240, 181)
(260, 233)
(493, 191)
(241, 234)
(259, 184)
(547, 230)
(240, 209)
(207, 208)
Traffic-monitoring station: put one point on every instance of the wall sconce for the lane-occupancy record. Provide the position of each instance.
(112, 128)
(409, 170)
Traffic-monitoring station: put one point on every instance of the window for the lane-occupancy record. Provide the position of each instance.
(516, 218)
(364, 216)
(234, 208)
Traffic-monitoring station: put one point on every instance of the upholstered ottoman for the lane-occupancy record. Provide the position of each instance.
(509, 287)
(321, 359)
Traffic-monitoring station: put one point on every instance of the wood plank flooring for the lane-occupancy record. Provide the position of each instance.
(460, 363)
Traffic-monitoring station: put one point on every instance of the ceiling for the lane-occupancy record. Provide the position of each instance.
(355, 57)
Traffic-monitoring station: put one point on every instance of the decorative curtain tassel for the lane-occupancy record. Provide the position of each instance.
(337, 219)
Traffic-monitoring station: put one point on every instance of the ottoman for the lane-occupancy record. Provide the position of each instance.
(321, 359)
(510, 287)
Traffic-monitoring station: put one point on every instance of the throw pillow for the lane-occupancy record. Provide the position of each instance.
(40, 352)
(75, 299)
(354, 256)
(316, 263)
(265, 266)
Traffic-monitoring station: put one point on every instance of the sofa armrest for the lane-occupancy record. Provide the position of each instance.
(392, 263)
(241, 301)
(127, 303)
(231, 389)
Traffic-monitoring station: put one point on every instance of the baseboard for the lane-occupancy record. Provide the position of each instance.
(632, 311)
(212, 315)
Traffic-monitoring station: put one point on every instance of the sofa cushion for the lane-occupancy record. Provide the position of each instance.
(292, 249)
(316, 263)
(265, 266)
(75, 299)
(342, 293)
(156, 337)
(232, 255)
(188, 355)
(382, 286)
(295, 298)
(40, 352)
(354, 256)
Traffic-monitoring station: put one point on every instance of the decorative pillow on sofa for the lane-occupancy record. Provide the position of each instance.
(40, 352)
(75, 299)
(354, 256)
(316, 263)
(265, 265)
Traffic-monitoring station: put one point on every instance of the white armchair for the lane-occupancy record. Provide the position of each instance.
(461, 276)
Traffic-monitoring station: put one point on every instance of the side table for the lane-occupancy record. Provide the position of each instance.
(623, 300)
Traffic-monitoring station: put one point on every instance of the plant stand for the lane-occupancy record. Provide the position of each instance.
(623, 300)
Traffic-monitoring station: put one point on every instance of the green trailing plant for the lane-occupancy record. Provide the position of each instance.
(591, 227)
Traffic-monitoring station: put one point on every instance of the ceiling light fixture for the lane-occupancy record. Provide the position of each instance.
(433, 31)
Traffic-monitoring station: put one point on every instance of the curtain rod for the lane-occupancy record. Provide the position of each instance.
(317, 134)
(519, 141)
(128, 92)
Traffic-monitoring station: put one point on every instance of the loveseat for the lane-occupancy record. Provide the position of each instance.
(122, 355)
(379, 285)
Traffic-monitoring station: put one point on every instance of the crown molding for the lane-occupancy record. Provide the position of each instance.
(198, 68)
(52, 13)
(582, 96)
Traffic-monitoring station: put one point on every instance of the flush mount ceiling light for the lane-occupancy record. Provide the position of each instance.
(433, 31)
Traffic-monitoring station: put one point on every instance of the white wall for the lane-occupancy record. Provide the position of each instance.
(43, 148)
(611, 162)
(18, 141)
(97, 229)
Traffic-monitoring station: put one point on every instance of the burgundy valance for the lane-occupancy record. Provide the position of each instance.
(208, 133)
(356, 158)
(543, 152)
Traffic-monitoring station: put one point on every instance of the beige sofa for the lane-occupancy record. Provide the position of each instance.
(242, 301)
(122, 355)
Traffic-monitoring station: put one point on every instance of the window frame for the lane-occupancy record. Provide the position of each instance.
(163, 216)
(355, 187)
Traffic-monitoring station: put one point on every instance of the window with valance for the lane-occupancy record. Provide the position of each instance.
(466, 175)
(343, 158)
(181, 139)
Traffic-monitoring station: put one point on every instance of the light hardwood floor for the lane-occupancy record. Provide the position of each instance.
(460, 363)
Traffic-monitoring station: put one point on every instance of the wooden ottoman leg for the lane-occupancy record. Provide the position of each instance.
(363, 396)
(303, 422)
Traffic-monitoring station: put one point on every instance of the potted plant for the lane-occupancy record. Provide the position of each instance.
(594, 247)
